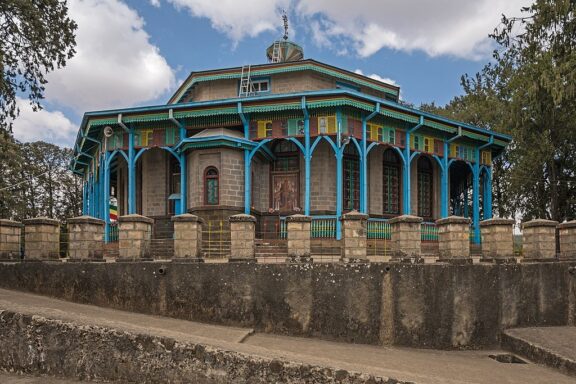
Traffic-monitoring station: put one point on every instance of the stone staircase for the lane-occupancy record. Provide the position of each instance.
(161, 249)
(267, 250)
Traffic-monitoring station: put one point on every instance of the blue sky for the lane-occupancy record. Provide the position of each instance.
(136, 52)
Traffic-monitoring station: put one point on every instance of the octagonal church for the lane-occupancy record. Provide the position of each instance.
(289, 136)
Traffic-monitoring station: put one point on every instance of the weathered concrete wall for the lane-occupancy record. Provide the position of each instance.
(440, 306)
(34, 344)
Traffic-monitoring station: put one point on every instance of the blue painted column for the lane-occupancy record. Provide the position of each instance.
(488, 194)
(307, 159)
(339, 192)
(106, 199)
(363, 171)
(444, 187)
(183, 176)
(247, 181)
(84, 198)
(476, 198)
(131, 174)
(103, 204)
(406, 177)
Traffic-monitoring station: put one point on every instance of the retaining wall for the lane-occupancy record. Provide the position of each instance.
(434, 306)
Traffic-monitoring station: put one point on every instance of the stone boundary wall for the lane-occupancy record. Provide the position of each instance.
(420, 305)
(34, 344)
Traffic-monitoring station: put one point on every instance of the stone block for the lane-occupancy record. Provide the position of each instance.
(10, 232)
(567, 233)
(405, 237)
(87, 240)
(42, 239)
(497, 239)
(242, 235)
(354, 236)
(135, 233)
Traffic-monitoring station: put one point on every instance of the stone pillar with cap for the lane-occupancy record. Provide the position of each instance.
(187, 238)
(10, 232)
(498, 240)
(41, 239)
(354, 237)
(567, 235)
(242, 238)
(406, 238)
(298, 234)
(85, 239)
(454, 239)
(134, 236)
(539, 240)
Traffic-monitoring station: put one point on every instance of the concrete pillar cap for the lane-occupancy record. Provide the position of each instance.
(134, 218)
(10, 223)
(187, 217)
(298, 218)
(453, 220)
(497, 221)
(568, 224)
(242, 218)
(41, 221)
(405, 219)
(354, 215)
(85, 219)
(539, 223)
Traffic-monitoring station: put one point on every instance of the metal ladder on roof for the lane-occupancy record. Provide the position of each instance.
(276, 52)
(245, 82)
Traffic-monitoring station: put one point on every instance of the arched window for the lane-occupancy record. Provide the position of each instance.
(211, 186)
(424, 187)
(351, 178)
(391, 183)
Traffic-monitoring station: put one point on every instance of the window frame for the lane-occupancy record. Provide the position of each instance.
(387, 165)
(211, 177)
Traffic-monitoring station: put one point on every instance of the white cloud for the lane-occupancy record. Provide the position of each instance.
(115, 64)
(441, 27)
(375, 76)
(52, 127)
(237, 19)
(155, 3)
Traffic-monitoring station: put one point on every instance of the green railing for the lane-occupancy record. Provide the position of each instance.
(323, 227)
(379, 229)
(429, 232)
(112, 233)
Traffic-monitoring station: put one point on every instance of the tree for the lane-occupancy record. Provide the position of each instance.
(36, 36)
(529, 92)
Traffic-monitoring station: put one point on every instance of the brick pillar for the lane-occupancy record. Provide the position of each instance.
(567, 234)
(354, 237)
(497, 240)
(134, 235)
(10, 232)
(539, 240)
(41, 239)
(454, 239)
(187, 238)
(298, 238)
(242, 234)
(406, 238)
(85, 239)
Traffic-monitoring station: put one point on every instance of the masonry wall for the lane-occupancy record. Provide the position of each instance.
(154, 182)
(230, 165)
(323, 179)
(431, 306)
(279, 83)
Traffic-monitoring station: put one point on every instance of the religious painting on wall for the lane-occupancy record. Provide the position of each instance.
(285, 193)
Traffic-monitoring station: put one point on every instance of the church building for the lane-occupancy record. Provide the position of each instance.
(289, 136)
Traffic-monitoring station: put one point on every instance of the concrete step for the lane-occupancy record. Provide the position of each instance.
(551, 346)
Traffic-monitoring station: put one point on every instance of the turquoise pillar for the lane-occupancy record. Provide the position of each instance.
(476, 197)
(339, 192)
(364, 162)
(406, 177)
(131, 174)
(84, 198)
(307, 158)
(444, 187)
(488, 194)
(106, 196)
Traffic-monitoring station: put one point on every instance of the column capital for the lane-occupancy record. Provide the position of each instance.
(242, 218)
(85, 219)
(406, 219)
(298, 218)
(188, 218)
(10, 223)
(135, 218)
(354, 215)
(539, 223)
(41, 221)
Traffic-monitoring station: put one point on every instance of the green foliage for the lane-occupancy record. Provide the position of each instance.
(529, 92)
(36, 181)
(36, 37)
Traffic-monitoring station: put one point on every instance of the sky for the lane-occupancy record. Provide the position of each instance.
(136, 52)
